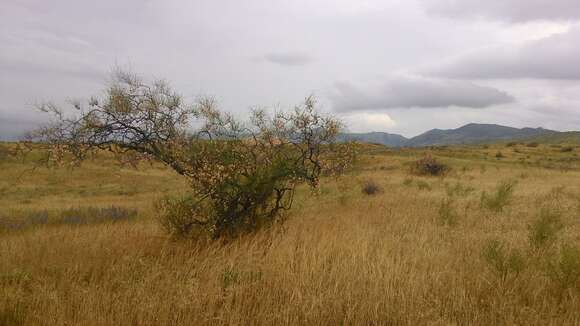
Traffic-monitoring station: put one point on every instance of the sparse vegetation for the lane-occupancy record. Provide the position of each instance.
(407, 257)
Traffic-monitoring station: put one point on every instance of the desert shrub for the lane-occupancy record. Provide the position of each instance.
(511, 144)
(567, 149)
(407, 182)
(370, 187)
(458, 189)
(22, 220)
(533, 144)
(500, 198)
(564, 270)
(447, 214)
(544, 230)
(242, 175)
(423, 185)
(502, 261)
(89, 215)
(499, 155)
(4, 152)
(429, 166)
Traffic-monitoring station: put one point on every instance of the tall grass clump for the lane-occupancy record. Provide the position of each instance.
(499, 199)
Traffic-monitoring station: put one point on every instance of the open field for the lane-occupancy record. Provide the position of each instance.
(422, 250)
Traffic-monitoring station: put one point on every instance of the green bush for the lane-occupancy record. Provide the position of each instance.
(501, 261)
(544, 230)
(565, 270)
(423, 185)
(458, 189)
(447, 214)
(500, 198)
(21, 220)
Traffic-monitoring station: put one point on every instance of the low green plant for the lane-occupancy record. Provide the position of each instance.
(544, 230)
(504, 262)
(408, 181)
(458, 189)
(447, 214)
(498, 200)
(423, 185)
(564, 271)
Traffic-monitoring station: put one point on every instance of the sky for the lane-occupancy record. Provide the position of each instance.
(397, 66)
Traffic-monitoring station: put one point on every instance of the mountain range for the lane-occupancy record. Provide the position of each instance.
(469, 134)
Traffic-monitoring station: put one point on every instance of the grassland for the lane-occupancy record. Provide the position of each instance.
(422, 251)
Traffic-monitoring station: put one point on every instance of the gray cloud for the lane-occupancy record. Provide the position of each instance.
(415, 92)
(554, 57)
(55, 50)
(507, 10)
(288, 59)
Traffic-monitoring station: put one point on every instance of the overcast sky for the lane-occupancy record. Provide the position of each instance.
(399, 66)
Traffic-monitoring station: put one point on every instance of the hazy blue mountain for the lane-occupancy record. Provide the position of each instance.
(474, 133)
(383, 138)
(468, 134)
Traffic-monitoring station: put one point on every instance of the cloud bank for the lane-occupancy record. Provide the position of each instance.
(416, 92)
(516, 11)
(288, 59)
(554, 57)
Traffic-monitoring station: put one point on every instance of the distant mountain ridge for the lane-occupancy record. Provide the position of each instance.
(468, 134)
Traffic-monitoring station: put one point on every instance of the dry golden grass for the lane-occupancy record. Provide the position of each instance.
(342, 258)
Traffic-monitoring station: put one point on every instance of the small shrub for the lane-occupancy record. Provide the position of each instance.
(565, 271)
(447, 214)
(407, 182)
(371, 188)
(501, 261)
(500, 198)
(511, 144)
(429, 166)
(567, 149)
(458, 189)
(22, 220)
(423, 185)
(499, 155)
(533, 144)
(544, 230)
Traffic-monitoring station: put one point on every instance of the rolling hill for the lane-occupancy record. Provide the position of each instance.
(468, 134)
